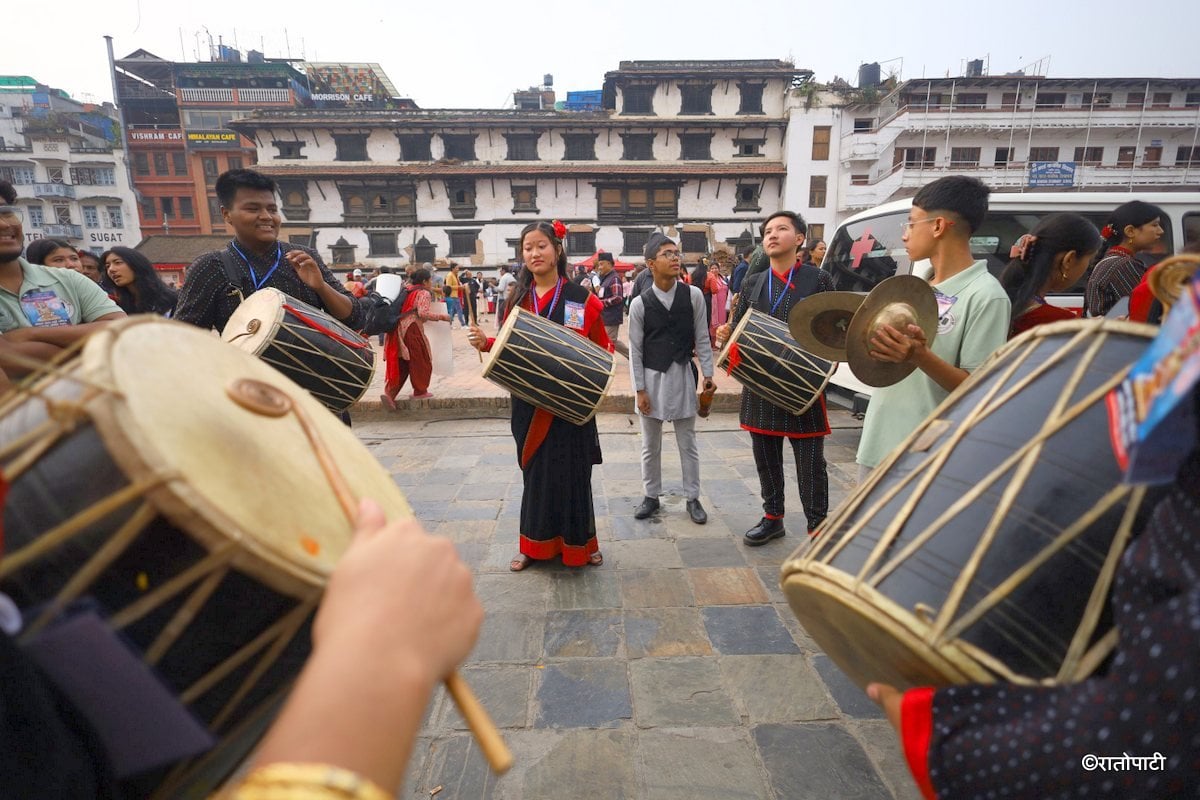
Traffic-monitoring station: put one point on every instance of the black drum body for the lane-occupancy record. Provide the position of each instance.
(984, 547)
(765, 359)
(550, 366)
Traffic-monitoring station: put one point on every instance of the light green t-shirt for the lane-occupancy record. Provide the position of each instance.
(973, 326)
(51, 296)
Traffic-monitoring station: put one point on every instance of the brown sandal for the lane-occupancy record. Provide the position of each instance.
(595, 560)
(519, 563)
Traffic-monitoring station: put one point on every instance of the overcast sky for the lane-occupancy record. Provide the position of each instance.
(473, 54)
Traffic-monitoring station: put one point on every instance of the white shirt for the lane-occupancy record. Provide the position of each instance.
(672, 393)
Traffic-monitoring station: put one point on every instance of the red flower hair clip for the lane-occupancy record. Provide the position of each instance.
(560, 230)
(1107, 232)
(1023, 247)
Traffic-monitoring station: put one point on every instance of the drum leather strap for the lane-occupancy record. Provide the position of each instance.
(317, 326)
(237, 283)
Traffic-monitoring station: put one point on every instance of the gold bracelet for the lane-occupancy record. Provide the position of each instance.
(304, 782)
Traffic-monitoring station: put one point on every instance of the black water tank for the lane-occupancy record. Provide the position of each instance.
(868, 75)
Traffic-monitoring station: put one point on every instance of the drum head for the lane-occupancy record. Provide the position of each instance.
(228, 473)
(502, 339)
(867, 642)
(252, 325)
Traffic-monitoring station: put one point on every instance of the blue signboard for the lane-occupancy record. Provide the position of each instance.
(1052, 173)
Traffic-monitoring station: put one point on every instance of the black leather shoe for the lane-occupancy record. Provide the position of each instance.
(764, 531)
(649, 506)
(696, 512)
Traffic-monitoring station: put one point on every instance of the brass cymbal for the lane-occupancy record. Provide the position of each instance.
(899, 301)
(819, 323)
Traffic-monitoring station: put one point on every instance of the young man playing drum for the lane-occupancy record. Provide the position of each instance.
(258, 259)
(667, 325)
(973, 316)
(776, 291)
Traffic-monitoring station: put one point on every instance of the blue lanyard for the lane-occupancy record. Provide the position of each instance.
(782, 292)
(553, 303)
(253, 275)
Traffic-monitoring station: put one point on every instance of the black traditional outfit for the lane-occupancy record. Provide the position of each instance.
(556, 456)
(776, 294)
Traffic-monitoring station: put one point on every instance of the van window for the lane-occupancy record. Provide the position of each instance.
(1191, 229)
(866, 252)
(862, 254)
(1001, 229)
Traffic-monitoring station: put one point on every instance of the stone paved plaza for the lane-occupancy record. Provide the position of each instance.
(675, 670)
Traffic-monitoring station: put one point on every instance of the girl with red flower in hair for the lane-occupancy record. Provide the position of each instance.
(1132, 228)
(556, 456)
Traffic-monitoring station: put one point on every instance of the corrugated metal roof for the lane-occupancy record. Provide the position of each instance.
(162, 249)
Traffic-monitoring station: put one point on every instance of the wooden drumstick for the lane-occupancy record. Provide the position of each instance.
(475, 322)
(262, 398)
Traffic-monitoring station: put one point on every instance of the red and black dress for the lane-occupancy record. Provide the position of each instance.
(776, 293)
(556, 456)
(1114, 277)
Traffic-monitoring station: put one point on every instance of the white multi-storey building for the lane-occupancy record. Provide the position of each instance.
(694, 148)
(1015, 133)
(70, 175)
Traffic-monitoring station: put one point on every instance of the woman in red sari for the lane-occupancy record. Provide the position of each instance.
(406, 349)
(556, 456)
(1050, 258)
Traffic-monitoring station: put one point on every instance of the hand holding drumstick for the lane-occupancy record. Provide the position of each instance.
(475, 327)
(398, 616)
(364, 696)
(478, 339)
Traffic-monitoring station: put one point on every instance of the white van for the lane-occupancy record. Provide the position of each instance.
(866, 248)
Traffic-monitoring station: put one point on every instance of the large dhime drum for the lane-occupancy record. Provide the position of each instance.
(334, 363)
(983, 549)
(200, 531)
(550, 366)
(765, 359)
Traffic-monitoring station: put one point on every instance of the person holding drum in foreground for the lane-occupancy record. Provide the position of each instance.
(973, 316)
(1131, 732)
(258, 259)
(775, 291)
(556, 456)
(667, 326)
(1050, 258)
(398, 616)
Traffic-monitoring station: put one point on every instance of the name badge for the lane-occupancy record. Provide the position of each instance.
(573, 315)
(45, 309)
(946, 320)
